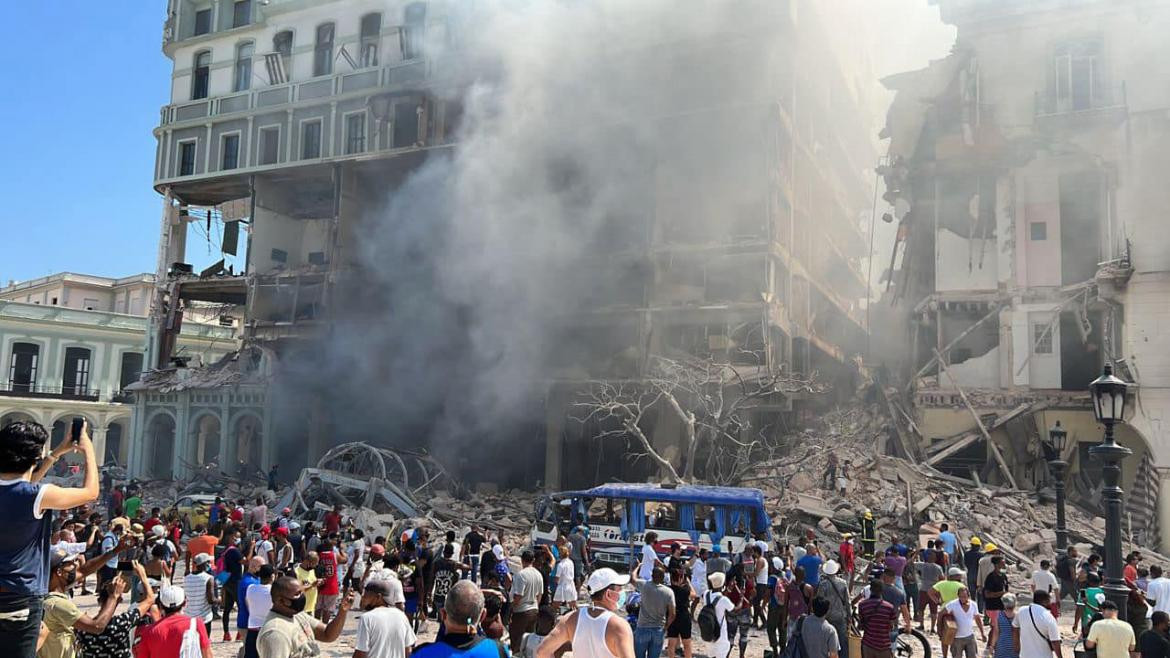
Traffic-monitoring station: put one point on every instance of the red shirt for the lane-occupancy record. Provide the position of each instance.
(332, 522)
(846, 552)
(329, 562)
(150, 523)
(166, 637)
(237, 514)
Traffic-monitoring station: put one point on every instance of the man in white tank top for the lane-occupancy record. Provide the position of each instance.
(595, 631)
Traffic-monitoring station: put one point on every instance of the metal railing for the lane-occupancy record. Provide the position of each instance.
(34, 390)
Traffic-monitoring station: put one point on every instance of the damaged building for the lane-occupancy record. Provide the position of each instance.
(735, 173)
(1024, 173)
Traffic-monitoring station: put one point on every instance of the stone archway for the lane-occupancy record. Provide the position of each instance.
(13, 416)
(204, 440)
(160, 437)
(115, 452)
(248, 438)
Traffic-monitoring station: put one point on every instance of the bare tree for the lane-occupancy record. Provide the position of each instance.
(711, 401)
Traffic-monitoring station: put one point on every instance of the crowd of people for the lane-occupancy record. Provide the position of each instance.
(168, 587)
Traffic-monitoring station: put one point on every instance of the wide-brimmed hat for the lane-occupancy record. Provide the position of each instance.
(831, 568)
(717, 580)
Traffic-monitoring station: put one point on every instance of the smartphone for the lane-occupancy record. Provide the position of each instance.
(75, 431)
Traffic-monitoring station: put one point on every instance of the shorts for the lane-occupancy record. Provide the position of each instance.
(411, 606)
(327, 602)
(681, 626)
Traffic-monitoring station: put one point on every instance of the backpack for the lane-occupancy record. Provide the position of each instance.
(795, 646)
(709, 624)
(189, 648)
(1064, 567)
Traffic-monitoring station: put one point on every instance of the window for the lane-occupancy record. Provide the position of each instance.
(241, 13)
(22, 374)
(323, 50)
(200, 75)
(405, 124)
(90, 304)
(310, 140)
(370, 33)
(75, 379)
(414, 18)
(355, 133)
(131, 368)
(1078, 76)
(202, 21)
(231, 152)
(243, 78)
(1039, 230)
(279, 256)
(1041, 339)
(269, 145)
(282, 45)
(186, 158)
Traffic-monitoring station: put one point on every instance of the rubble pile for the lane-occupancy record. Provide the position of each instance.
(908, 500)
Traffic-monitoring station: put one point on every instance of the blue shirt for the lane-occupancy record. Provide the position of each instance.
(24, 544)
(812, 569)
(109, 542)
(242, 618)
(949, 540)
(462, 645)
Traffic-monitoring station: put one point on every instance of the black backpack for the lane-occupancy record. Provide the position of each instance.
(709, 626)
(795, 647)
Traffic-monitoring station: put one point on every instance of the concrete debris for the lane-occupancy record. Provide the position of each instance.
(907, 499)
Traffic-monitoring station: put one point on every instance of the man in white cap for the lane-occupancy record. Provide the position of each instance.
(722, 606)
(198, 588)
(596, 631)
(835, 590)
(165, 637)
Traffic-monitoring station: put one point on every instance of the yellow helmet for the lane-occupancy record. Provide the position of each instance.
(868, 514)
(975, 541)
(990, 547)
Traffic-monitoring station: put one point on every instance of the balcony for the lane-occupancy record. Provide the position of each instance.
(399, 74)
(1082, 104)
(32, 390)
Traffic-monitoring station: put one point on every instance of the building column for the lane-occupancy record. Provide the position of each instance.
(98, 436)
(1163, 475)
(553, 443)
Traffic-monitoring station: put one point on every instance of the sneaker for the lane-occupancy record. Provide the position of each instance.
(227, 637)
(239, 636)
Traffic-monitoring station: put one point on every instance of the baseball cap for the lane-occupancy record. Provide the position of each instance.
(778, 564)
(286, 511)
(203, 558)
(59, 557)
(158, 531)
(603, 578)
(955, 571)
(283, 532)
(377, 549)
(171, 596)
(378, 586)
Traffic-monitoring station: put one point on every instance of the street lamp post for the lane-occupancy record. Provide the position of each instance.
(1109, 407)
(1059, 440)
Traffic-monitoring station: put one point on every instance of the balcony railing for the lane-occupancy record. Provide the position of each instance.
(399, 73)
(32, 390)
(1081, 100)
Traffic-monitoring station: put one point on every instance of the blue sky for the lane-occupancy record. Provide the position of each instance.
(83, 83)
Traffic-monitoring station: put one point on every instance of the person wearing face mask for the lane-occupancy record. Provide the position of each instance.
(595, 631)
(61, 614)
(290, 632)
(383, 631)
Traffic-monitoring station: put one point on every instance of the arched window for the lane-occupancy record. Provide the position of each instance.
(244, 53)
(200, 75)
(413, 19)
(282, 44)
(371, 31)
(323, 50)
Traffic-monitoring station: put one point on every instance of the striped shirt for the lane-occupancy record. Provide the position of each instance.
(877, 622)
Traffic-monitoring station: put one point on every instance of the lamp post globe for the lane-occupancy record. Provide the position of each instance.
(1108, 393)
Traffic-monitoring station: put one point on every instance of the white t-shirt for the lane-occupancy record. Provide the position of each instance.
(263, 549)
(457, 548)
(384, 633)
(648, 559)
(723, 606)
(699, 576)
(1033, 644)
(259, 598)
(1158, 592)
(1045, 581)
(964, 619)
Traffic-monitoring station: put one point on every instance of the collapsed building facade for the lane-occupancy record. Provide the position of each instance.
(292, 127)
(1024, 173)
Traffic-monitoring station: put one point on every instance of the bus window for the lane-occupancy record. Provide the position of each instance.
(704, 518)
(606, 511)
(663, 516)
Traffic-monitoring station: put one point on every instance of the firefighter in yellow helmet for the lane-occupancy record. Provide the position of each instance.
(868, 535)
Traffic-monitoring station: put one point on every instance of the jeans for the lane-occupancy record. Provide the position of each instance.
(474, 572)
(777, 626)
(19, 637)
(250, 650)
(648, 642)
(842, 629)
